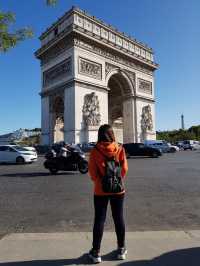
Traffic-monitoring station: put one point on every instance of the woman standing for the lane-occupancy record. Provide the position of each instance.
(107, 169)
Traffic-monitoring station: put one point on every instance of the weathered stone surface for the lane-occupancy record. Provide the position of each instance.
(82, 59)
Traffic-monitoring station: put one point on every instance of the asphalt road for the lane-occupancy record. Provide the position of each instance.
(162, 194)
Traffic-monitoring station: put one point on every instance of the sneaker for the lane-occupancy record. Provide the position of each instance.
(94, 256)
(121, 253)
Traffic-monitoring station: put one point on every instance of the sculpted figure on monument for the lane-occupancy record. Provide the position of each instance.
(89, 68)
(91, 112)
(146, 121)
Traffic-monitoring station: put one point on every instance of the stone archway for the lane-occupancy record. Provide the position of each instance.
(121, 106)
(101, 74)
(57, 119)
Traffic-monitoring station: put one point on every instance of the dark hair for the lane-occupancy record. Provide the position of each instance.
(106, 134)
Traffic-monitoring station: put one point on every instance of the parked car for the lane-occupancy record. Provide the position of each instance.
(87, 147)
(191, 145)
(172, 146)
(162, 145)
(139, 149)
(30, 148)
(180, 145)
(16, 154)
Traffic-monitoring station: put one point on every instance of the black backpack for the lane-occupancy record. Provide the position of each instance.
(112, 180)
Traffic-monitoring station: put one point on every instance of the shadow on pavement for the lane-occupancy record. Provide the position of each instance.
(36, 174)
(139, 157)
(183, 257)
(82, 260)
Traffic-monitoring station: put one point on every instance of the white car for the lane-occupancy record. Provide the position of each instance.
(174, 146)
(29, 148)
(16, 154)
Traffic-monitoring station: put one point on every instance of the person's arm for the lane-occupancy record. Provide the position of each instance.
(124, 163)
(92, 167)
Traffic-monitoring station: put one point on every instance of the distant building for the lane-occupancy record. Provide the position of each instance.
(18, 135)
(6, 139)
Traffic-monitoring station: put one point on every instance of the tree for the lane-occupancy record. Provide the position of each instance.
(51, 2)
(9, 39)
(178, 135)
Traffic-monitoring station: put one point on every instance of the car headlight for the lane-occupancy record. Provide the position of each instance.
(27, 154)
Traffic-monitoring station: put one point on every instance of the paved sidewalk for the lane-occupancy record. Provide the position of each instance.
(163, 248)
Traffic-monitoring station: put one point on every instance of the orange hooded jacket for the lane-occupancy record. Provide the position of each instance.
(97, 164)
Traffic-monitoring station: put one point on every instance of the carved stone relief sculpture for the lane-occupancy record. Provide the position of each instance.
(112, 56)
(91, 110)
(145, 86)
(90, 68)
(146, 120)
(57, 72)
(109, 67)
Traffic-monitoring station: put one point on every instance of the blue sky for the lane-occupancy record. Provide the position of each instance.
(171, 28)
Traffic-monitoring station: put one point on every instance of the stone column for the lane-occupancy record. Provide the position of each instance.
(45, 121)
(69, 115)
(129, 122)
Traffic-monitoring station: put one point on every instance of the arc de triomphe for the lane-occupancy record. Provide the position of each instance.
(93, 74)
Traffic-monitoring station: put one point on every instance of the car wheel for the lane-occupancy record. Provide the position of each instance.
(20, 160)
(83, 167)
(154, 155)
(172, 150)
(127, 155)
(53, 171)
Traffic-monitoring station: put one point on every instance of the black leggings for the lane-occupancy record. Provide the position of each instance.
(100, 206)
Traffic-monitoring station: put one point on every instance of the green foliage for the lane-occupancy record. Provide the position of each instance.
(192, 133)
(51, 2)
(36, 129)
(195, 130)
(30, 141)
(9, 39)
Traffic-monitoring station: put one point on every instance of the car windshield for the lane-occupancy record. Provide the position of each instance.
(19, 148)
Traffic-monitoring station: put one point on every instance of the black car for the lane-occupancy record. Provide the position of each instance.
(139, 149)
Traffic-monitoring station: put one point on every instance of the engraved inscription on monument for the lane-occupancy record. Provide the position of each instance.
(90, 68)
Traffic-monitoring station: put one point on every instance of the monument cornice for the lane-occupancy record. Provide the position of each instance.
(117, 57)
(139, 97)
(110, 28)
(52, 43)
(90, 85)
(61, 87)
(57, 88)
(73, 31)
(116, 48)
(76, 20)
(75, 10)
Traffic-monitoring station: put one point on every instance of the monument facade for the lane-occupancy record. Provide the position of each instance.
(93, 74)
